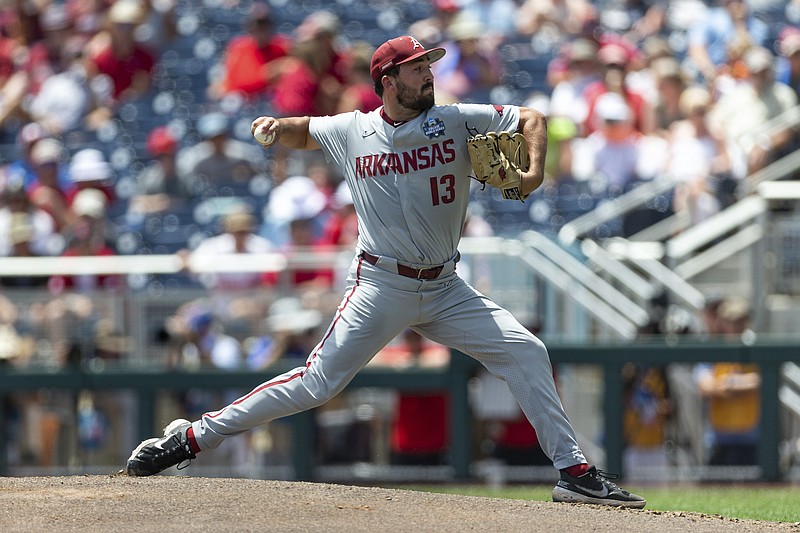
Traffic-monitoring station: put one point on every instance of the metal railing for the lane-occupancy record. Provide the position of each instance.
(768, 355)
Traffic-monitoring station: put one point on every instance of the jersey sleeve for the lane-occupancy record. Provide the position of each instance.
(482, 118)
(331, 133)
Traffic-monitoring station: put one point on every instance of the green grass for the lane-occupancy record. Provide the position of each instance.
(757, 502)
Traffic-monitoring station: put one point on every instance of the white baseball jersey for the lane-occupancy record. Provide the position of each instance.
(410, 181)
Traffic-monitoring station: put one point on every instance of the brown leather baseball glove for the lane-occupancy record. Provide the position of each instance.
(499, 159)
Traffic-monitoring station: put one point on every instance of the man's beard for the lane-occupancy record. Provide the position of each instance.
(410, 99)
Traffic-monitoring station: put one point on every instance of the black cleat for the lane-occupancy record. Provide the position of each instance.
(157, 454)
(594, 487)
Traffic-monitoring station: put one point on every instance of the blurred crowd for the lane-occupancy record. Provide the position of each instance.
(124, 130)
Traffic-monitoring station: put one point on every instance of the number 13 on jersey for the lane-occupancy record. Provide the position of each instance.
(443, 189)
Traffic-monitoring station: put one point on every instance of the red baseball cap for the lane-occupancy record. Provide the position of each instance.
(161, 141)
(398, 51)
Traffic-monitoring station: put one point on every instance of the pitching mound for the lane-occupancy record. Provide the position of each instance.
(168, 503)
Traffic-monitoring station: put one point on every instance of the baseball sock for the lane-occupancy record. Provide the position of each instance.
(576, 470)
(192, 442)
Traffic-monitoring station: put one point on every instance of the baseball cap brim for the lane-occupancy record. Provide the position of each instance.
(434, 55)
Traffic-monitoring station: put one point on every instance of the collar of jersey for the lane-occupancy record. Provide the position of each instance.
(389, 121)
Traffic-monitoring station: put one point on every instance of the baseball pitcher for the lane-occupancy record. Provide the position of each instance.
(408, 165)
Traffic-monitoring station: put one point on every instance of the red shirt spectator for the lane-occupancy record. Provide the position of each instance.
(245, 63)
(421, 424)
(341, 228)
(615, 58)
(128, 64)
(302, 239)
(86, 282)
(86, 238)
(635, 101)
(297, 91)
(312, 81)
(359, 90)
(123, 70)
(420, 432)
(249, 58)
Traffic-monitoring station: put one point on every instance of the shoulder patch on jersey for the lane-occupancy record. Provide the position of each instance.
(500, 109)
(433, 127)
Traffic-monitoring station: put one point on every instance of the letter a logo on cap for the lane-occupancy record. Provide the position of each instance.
(416, 43)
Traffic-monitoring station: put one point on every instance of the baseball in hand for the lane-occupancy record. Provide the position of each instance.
(264, 138)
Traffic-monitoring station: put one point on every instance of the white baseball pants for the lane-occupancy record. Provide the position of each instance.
(377, 306)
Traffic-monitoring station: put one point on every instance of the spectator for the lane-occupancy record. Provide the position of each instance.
(159, 186)
(731, 391)
(159, 25)
(20, 237)
(469, 66)
(698, 160)
(359, 91)
(341, 228)
(126, 64)
(560, 132)
(201, 343)
(22, 169)
(618, 158)
(51, 54)
(297, 197)
(301, 86)
(14, 81)
(646, 412)
(615, 59)
(22, 222)
(612, 152)
(323, 27)
(312, 77)
(62, 100)
(251, 61)
(87, 18)
(420, 428)
(237, 238)
(290, 333)
(787, 69)
(431, 30)
(86, 237)
(670, 83)
(303, 239)
(218, 159)
(764, 98)
(65, 103)
(568, 98)
(499, 17)
(46, 192)
(712, 323)
(732, 73)
(647, 18)
(88, 169)
(556, 19)
(726, 24)
(643, 77)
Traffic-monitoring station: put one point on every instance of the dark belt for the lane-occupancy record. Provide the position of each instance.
(417, 273)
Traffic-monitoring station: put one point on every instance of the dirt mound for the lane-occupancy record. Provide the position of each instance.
(171, 503)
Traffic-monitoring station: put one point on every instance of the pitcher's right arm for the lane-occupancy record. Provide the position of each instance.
(291, 132)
